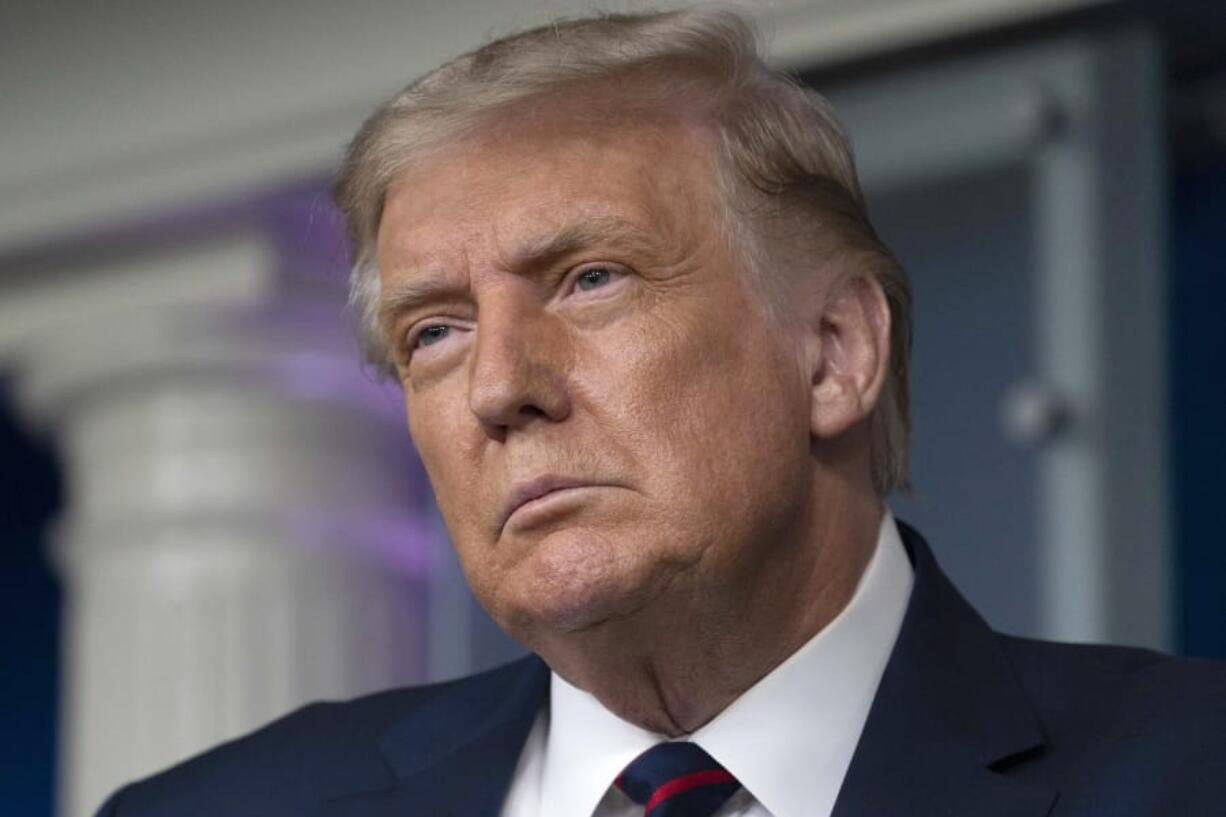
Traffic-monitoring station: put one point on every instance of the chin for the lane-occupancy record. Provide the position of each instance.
(570, 610)
(574, 579)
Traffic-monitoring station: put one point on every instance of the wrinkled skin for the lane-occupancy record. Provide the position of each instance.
(560, 301)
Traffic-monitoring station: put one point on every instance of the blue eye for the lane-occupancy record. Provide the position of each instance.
(432, 334)
(593, 278)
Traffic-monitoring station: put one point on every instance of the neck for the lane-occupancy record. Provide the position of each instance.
(676, 665)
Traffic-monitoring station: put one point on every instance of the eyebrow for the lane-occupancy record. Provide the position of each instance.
(538, 252)
(405, 295)
(571, 238)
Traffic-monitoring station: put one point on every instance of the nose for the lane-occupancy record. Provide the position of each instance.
(518, 368)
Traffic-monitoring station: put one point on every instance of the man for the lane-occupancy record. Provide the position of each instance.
(654, 360)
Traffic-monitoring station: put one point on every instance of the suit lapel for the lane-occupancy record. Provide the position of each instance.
(949, 714)
(454, 755)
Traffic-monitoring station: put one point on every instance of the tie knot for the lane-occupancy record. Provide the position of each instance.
(677, 780)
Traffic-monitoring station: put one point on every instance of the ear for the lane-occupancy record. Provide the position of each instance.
(849, 353)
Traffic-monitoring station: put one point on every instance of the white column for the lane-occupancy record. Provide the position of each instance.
(246, 527)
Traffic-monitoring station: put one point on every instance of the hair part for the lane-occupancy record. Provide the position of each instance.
(785, 167)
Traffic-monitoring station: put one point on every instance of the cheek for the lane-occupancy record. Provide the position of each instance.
(742, 434)
(444, 446)
(716, 408)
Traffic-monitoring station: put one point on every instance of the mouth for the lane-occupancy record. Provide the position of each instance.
(526, 496)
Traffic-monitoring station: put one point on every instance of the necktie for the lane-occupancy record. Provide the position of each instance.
(677, 780)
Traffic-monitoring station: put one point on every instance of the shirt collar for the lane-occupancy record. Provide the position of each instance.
(789, 738)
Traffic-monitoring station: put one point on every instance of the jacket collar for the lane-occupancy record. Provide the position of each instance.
(948, 716)
(454, 754)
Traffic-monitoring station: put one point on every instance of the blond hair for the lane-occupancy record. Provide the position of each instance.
(784, 156)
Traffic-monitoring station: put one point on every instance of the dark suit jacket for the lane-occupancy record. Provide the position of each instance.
(966, 723)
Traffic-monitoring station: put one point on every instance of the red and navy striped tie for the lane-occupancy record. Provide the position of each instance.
(677, 780)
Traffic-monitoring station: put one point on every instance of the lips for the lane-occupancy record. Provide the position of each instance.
(524, 492)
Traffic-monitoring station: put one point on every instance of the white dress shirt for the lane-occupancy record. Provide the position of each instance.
(788, 739)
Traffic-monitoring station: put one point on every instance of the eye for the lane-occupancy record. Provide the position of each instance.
(431, 335)
(596, 277)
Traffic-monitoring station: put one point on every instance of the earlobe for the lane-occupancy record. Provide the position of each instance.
(848, 350)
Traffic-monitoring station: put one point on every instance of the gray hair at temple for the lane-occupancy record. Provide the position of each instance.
(785, 170)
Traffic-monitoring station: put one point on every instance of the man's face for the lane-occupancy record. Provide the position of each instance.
(607, 412)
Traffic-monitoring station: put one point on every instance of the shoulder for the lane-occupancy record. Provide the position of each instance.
(1092, 678)
(1109, 711)
(281, 766)
(286, 766)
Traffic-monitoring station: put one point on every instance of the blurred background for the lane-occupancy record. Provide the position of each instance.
(210, 514)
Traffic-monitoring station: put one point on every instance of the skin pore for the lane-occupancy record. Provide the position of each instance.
(653, 480)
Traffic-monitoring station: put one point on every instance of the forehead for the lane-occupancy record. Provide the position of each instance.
(535, 173)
